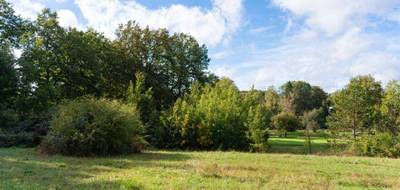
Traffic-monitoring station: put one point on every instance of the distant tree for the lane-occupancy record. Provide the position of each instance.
(272, 100)
(300, 96)
(356, 107)
(285, 122)
(391, 107)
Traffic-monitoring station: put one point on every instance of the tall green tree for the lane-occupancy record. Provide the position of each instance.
(356, 107)
(83, 68)
(170, 62)
(59, 63)
(40, 63)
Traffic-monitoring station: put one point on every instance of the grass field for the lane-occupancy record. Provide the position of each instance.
(294, 143)
(288, 167)
(25, 169)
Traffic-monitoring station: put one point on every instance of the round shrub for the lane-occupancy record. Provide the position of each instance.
(87, 127)
(285, 122)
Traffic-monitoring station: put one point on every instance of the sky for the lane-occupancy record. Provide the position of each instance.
(260, 43)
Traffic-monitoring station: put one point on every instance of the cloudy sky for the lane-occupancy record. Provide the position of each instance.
(260, 42)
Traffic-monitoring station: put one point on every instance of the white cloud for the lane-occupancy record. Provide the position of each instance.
(27, 8)
(224, 71)
(334, 16)
(328, 62)
(260, 30)
(332, 42)
(221, 54)
(67, 18)
(208, 26)
(61, 1)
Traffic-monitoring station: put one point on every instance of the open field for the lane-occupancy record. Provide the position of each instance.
(25, 169)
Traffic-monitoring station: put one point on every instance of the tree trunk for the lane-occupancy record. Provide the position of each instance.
(354, 129)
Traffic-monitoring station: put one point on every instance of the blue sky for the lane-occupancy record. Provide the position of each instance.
(261, 42)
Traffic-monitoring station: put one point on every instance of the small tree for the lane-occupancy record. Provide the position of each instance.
(285, 122)
(257, 128)
(142, 99)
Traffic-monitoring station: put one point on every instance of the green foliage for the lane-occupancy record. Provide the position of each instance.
(12, 27)
(356, 107)
(155, 72)
(142, 99)
(379, 144)
(391, 107)
(8, 89)
(285, 122)
(87, 126)
(257, 126)
(299, 97)
(210, 118)
(21, 139)
(8, 79)
(272, 100)
(170, 62)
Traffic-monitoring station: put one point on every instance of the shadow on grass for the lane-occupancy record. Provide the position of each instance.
(26, 169)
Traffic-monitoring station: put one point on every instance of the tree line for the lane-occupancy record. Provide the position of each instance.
(165, 77)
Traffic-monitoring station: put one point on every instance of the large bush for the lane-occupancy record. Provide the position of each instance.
(285, 122)
(87, 126)
(379, 144)
(208, 118)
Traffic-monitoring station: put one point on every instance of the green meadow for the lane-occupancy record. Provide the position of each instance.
(285, 166)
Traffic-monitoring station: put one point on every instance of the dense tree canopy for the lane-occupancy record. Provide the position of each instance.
(171, 63)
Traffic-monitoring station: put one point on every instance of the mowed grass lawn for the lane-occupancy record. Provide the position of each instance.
(294, 142)
(26, 169)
